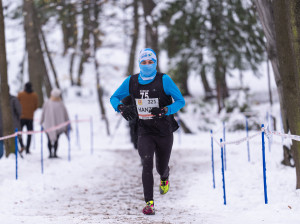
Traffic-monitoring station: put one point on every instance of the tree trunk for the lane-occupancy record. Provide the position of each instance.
(85, 40)
(68, 25)
(46, 79)
(36, 64)
(269, 84)
(293, 8)
(151, 36)
(135, 35)
(49, 56)
(225, 92)
(207, 89)
(266, 16)
(4, 94)
(97, 43)
(287, 42)
(183, 82)
(70, 31)
(71, 68)
(219, 79)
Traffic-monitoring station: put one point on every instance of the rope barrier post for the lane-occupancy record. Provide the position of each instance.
(77, 131)
(223, 173)
(69, 142)
(92, 135)
(16, 152)
(247, 134)
(224, 144)
(264, 163)
(212, 158)
(42, 159)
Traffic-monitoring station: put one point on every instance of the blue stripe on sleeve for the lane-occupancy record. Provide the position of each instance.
(120, 94)
(171, 89)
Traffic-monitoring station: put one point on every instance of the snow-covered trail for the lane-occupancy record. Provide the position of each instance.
(106, 187)
(103, 188)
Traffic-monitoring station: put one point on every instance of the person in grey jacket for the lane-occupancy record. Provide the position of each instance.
(54, 113)
(16, 111)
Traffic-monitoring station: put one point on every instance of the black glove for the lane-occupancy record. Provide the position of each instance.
(128, 112)
(159, 112)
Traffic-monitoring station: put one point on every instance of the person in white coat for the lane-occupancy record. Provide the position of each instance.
(54, 113)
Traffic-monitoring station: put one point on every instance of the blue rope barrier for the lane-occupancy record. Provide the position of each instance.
(212, 159)
(16, 152)
(42, 161)
(264, 165)
(223, 173)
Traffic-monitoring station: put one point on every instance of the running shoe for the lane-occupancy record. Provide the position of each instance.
(164, 186)
(149, 208)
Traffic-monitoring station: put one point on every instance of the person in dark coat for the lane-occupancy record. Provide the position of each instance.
(29, 102)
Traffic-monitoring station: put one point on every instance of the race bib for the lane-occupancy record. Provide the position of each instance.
(144, 107)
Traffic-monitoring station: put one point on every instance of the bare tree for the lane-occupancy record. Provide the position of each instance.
(135, 35)
(36, 65)
(70, 31)
(205, 83)
(85, 40)
(97, 43)
(48, 55)
(151, 36)
(5, 103)
(281, 23)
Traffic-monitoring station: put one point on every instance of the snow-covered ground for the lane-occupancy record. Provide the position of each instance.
(105, 186)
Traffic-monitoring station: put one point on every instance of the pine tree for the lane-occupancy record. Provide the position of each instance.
(218, 36)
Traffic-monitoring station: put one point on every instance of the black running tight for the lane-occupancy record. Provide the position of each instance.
(162, 147)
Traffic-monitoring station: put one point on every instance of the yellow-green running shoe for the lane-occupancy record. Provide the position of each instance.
(164, 186)
(149, 208)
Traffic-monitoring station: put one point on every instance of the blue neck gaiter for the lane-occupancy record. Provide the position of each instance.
(148, 72)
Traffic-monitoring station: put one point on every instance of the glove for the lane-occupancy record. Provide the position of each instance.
(128, 112)
(159, 112)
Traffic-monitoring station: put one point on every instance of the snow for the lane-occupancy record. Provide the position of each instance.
(102, 181)
(105, 186)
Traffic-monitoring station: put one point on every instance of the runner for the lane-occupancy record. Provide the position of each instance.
(152, 93)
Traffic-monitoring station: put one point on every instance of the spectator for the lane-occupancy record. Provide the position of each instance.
(54, 113)
(16, 113)
(29, 103)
